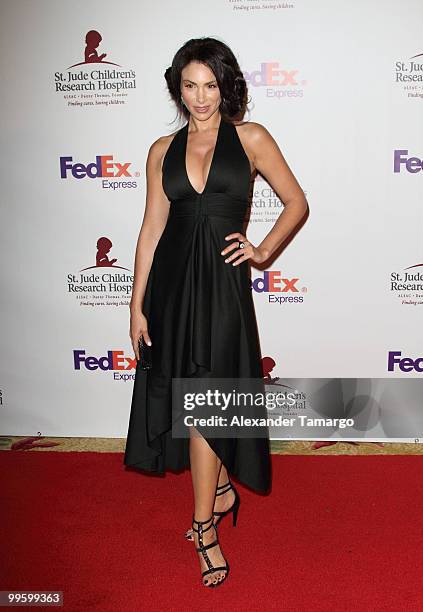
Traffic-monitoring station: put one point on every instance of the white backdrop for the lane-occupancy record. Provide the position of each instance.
(331, 81)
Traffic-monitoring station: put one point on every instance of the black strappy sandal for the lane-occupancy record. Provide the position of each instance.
(203, 549)
(220, 490)
(235, 506)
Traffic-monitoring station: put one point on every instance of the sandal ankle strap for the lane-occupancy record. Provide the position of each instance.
(224, 488)
(200, 524)
(224, 485)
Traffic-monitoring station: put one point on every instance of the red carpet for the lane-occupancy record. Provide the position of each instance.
(337, 533)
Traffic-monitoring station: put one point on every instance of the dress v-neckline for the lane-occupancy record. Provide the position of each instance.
(199, 193)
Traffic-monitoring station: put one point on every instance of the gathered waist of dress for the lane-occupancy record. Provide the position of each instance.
(209, 205)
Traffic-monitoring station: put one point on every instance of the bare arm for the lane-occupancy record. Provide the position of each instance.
(270, 162)
(154, 221)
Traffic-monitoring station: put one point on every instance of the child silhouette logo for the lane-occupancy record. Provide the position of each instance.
(91, 55)
(267, 364)
(93, 39)
(103, 247)
(102, 260)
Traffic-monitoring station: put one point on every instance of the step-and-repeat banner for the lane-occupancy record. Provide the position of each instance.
(339, 85)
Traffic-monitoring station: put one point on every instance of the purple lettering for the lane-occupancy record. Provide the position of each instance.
(393, 358)
(399, 158)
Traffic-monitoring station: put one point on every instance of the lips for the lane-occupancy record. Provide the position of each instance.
(201, 109)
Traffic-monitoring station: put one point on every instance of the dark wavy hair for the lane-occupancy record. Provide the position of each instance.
(224, 65)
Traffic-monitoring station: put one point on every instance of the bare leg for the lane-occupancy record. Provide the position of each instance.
(223, 476)
(221, 502)
(205, 467)
(225, 501)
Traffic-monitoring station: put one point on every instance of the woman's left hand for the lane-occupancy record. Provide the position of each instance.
(249, 251)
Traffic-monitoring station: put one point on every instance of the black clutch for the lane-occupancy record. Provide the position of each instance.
(146, 353)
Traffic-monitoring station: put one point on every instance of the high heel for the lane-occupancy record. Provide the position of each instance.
(235, 506)
(203, 548)
(220, 490)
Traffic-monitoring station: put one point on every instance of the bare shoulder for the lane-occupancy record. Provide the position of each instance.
(254, 138)
(253, 132)
(158, 149)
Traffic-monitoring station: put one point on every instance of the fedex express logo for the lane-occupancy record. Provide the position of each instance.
(402, 161)
(405, 364)
(273, 281)
(272, 74)
(115, 361)
(103, 167)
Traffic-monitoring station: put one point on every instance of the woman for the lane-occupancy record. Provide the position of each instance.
(191, 299)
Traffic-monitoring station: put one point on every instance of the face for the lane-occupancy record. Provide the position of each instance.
(199, 90)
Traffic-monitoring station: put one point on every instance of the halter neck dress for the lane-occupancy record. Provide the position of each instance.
(200, 311)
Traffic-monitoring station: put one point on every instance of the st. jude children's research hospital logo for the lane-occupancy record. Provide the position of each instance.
(409, 74)
(94, 81)
(408, 286)
(104, 284)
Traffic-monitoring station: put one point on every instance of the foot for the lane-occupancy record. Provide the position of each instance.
(221, 504)
(214, 554)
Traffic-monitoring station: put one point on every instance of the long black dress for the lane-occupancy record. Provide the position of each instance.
(200, 311)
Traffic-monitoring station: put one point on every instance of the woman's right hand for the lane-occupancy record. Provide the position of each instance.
(138, 328)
